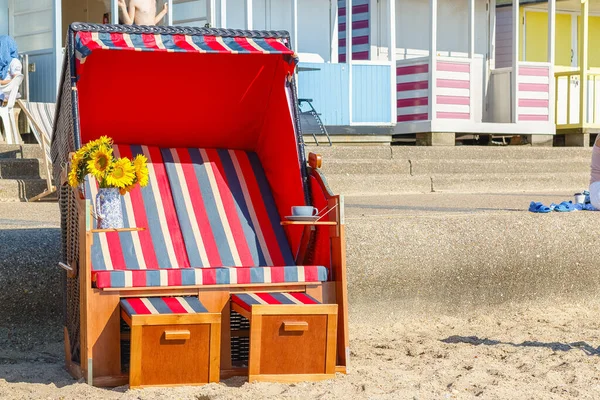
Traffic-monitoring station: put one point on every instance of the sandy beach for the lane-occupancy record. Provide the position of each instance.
(508, 325)
(546, 350)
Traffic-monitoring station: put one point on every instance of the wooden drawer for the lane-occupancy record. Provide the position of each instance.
(174, 349)
(291, 343)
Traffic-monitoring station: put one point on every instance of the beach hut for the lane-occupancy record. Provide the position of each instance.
(449, 73)
(576, 59)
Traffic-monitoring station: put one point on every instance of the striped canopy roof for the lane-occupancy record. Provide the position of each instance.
(87, 42)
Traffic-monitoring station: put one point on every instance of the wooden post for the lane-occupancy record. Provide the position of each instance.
(335, 32)
(471, 46)
(170, 13)
(114, 12)
(392, 58)
(492, 43)
(212, 13)
(224, 14)
(248, 10)
(583, 64)
(515, 62)
(432, 56)
(471, 28)
(349, 55)
(58, 44)
(551, 59)
(295, 25)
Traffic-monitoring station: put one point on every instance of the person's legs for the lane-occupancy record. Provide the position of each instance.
(595, 195)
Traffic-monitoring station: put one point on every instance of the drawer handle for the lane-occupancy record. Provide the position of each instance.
(295, 326)
(177, 335)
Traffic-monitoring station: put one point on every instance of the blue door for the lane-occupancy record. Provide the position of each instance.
(3, 17)
(32, 24)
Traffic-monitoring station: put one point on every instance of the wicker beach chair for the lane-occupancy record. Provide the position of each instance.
(159, 301)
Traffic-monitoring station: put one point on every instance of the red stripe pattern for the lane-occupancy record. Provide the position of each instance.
(361, 38)
(209, 276)
(412, 88)
(533, 94)
(162, 305)
(160, 245)
(453, 82)
(88, 42)
(226, 208)
(247, 300)
(213, 208)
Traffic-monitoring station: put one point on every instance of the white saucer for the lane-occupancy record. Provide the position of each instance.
(309, 218)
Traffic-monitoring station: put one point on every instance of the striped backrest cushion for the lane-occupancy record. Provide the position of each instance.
(226, 210)
(161, 244)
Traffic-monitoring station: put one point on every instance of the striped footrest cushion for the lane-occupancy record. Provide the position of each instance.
(247, 300)
(162, 305)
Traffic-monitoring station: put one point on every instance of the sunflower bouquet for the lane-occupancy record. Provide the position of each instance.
(96, 158)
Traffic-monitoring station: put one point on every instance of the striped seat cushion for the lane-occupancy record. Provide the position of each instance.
(226, 210)
(161, 244)
(162, 305)
(247, 300)
(208, 276)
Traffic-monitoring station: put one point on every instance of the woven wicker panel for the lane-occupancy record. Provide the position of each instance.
(63, 142)
(240, 346)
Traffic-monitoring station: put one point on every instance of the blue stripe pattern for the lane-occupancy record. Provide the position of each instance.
(185, 223)
(83, 50)
(210, 205)
(188, 276)
(161, 306)
(151, 208)
(267, 196)
(242, 208)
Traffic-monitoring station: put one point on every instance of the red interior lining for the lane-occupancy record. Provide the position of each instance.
(196, 100)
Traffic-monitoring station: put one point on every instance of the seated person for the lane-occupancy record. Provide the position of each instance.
(10, 66)
(595, 175)
(142, 12)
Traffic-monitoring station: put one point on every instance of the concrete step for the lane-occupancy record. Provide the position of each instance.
(468, 250)
(454, 153)
(430, 166)
(499, 166)
(385, 184)
(352, 152)
(19, 168)
(362, 166)
(503, 183)
(364, 184)
(20, 189)
(21, 151)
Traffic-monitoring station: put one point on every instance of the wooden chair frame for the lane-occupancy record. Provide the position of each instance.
(100, 312)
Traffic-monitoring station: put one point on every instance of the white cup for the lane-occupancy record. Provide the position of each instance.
(304, 211)
(579, 198)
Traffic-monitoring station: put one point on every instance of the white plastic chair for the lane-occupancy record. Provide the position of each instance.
(10, 90)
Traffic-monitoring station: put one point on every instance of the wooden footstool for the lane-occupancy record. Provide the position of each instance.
(292, 336)
(174, 341)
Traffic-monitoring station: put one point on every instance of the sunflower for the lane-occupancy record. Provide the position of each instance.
(77, 156)
(101, 159)
(126, 190)
(105, 140)
(121, 174)
(73, 179)
(141, 169)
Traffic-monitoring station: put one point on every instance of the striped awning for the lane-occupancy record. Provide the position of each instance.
(87, 42)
